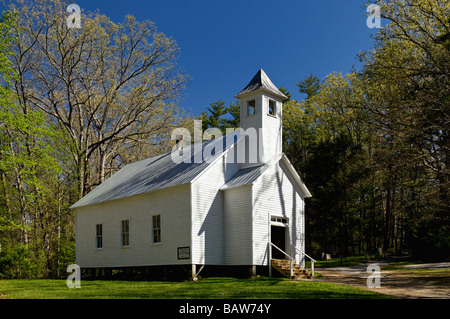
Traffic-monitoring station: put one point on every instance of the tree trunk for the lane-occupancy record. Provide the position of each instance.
(23, 209)
(81, 174)
(6, 194)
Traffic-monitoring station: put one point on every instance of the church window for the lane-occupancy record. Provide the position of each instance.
(272, 108)
(251, 107)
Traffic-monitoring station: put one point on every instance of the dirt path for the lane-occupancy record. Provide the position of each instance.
(397, 283)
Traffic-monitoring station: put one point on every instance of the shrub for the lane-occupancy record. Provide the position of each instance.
(15, 262)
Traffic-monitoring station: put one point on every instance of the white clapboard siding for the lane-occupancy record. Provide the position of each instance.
(172, 203)
(207, 213)
(274, 194)
(238, 225)
(272, 128)
(251, 122)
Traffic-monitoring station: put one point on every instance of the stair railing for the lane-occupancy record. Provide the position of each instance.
(270, 260)
(312, 260)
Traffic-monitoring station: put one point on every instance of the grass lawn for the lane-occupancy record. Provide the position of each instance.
(400, 266)
(216, 288)
(337, 262)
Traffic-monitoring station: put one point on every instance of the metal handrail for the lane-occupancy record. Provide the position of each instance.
(281, 250)
(312, 260)
(302, 252)
(291, 258)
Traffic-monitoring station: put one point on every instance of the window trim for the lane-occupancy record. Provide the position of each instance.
(274, 108)
(279, 221)
(248, 107)
(152, 236)
(97, 236)
(122, 233)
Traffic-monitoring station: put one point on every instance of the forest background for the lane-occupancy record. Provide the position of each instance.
(372, 145)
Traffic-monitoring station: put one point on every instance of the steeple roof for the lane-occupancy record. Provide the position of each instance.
(261, 81)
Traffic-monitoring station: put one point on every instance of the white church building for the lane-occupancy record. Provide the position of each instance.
(222, 215)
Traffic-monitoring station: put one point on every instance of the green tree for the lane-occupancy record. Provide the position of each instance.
(326, 139)
(234, 115)
(407, 95)
(31, 176)
(310, 85)
(214, 117)
(287, 93)
(77, 104)
(222, 117)
(7, 36)
(389, 121)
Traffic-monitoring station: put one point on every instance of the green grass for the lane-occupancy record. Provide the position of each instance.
(400, 265)
(336, 262)
(216, 288)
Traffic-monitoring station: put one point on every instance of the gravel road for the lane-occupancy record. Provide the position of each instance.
(398, 283)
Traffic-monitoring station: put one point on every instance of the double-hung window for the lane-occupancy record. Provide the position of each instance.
(156, 229)
(99, 236)
(125, 234)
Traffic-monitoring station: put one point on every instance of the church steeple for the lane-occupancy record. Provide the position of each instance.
(261, 81)
(261, 109)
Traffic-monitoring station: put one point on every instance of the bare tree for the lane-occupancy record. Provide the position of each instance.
(111, 87)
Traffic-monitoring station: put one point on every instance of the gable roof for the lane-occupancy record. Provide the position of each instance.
(261, 81)
(161, 171)
(245, 176)
(295, 176)
(151, 174)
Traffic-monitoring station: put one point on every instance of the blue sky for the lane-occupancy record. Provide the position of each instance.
(224, 43)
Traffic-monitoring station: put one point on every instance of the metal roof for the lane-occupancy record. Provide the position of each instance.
(245, 176)
(261, 81)
(151, 174)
